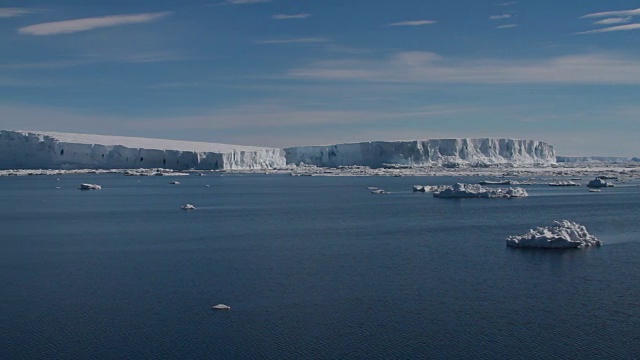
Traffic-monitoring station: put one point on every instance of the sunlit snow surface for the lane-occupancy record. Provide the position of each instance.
(561, 235)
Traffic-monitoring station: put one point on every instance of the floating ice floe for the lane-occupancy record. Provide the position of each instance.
(460, 190)
(90, 187)
(175, 183)
(379, 191)
(599, 183)
(563, 234)
(494, 182)
(564, 183)
(428, 188)
(221, 307)
(188, 207)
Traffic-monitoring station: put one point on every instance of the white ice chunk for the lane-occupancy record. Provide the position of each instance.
(460, 190)
(561, 235)
(221, 307)
(90, 187)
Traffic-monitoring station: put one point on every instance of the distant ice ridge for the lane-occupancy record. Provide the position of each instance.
(51, 150)
(460, 190)
(561, 235)
(447, 152)
(597, 159)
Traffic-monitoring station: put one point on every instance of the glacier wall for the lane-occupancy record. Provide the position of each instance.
(49, 150)
(474, 152)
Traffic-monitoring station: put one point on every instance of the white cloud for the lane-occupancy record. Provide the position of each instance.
(622, 13)
(500, 17)
(413, 23)
(507, 26)
(611, 21)
(612, 28)
(290, 16)
(85, 24)
(13, 12)
(428, 68)
(310, 40)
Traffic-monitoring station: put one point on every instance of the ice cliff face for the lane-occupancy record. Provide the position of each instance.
(49, 150)
(475, 152)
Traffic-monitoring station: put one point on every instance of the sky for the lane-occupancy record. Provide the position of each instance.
(310, 72)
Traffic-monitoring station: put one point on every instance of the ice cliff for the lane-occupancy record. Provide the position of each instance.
(50, 150)
(447, 152)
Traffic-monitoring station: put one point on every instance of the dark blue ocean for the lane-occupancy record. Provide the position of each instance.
(312, 267)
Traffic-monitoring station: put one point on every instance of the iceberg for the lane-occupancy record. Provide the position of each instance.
(599, 183)
(439, 152)
(221, 307)
(460, 190)
(52, 150)
(563, 234)
(188, 207)
(428, 188)
(564, 183)
(90, 187)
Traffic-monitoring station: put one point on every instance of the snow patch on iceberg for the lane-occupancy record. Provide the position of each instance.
(563, 234)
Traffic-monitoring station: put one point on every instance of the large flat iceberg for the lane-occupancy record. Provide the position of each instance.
(475, 152)
(52, 150)
(460, 190)
(561, 235)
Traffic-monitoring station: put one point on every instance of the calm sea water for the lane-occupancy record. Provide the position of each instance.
(313, 268)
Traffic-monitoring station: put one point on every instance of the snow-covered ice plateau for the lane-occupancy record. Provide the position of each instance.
(561, 235)
(445, 152)
(52, 150)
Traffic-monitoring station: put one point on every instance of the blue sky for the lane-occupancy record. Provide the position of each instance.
(302, 72)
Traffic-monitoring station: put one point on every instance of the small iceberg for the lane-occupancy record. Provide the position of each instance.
(188, 207)
(599, 183)
(564, 183)
(594, 190)
(460, 190)
(221, 307)
(90, 187)
(428, 188)
(563, 234)
(495, 182)
(379, 191)
(175, 183)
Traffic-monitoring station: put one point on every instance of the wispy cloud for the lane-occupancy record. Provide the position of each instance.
(611, 21)
(500, 17)
(290, 16)
(612, 28)
(622, 13)
(85, 24)
(242, 2)
(506, 26)
(309, 40)
(13, 12)
(425, 68)
(413, 23)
